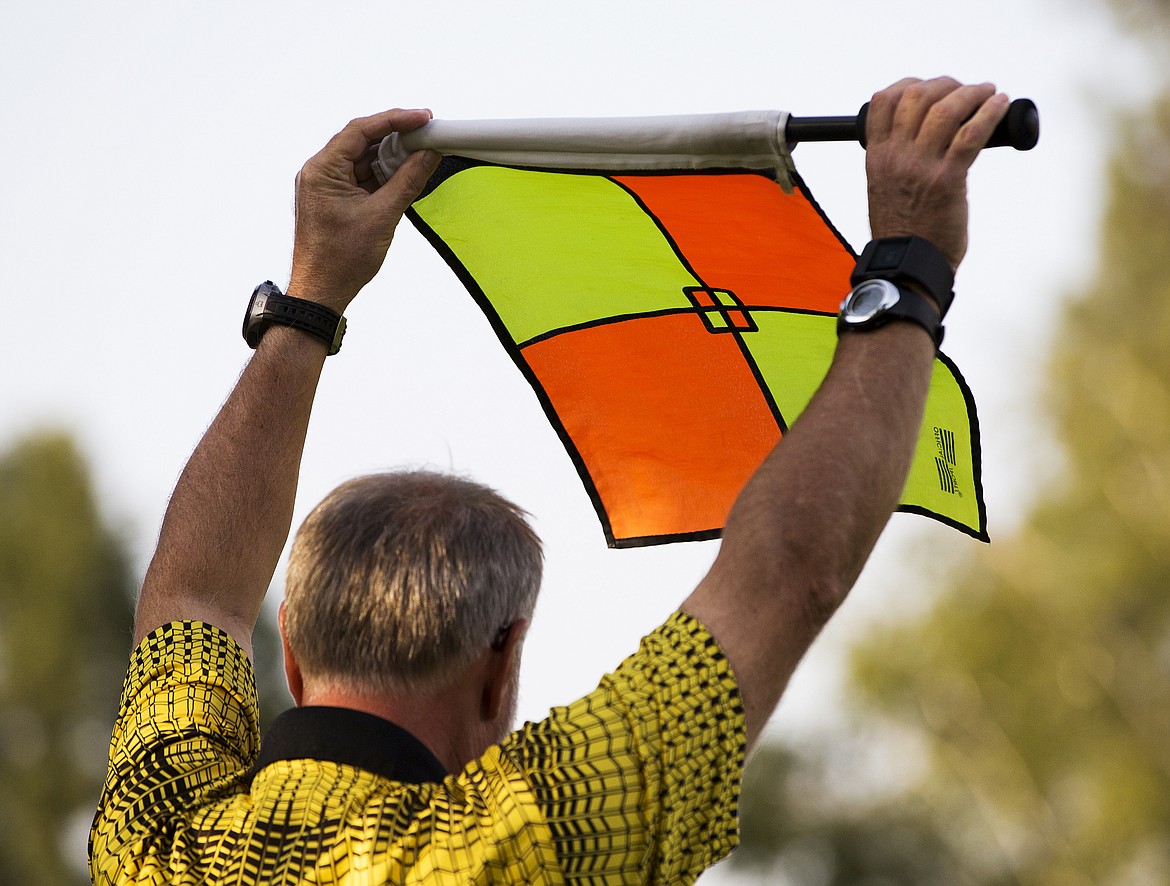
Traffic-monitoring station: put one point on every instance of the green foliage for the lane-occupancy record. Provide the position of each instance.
(1143, 17)
(1034, 698)
(1040, 683)
(794, 830)
(65, 593)
(271, 685)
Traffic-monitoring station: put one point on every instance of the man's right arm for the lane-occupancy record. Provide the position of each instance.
(231, 510)
(804, 525)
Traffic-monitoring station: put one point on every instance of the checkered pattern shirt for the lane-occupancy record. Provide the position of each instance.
(637, 782)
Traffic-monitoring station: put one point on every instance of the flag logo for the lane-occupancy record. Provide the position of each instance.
(945, 461)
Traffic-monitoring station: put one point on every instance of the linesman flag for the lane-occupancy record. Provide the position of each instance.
(669, 288)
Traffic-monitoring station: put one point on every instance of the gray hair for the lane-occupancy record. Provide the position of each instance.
(398, 580)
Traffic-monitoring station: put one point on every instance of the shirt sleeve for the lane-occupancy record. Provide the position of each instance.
(187, 728)
(639, 781)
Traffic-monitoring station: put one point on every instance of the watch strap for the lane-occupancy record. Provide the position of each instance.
(269, 306)
(913, 260)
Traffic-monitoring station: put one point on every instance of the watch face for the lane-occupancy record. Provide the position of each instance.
(868, 300)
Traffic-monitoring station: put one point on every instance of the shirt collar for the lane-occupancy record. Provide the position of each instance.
(353, 738)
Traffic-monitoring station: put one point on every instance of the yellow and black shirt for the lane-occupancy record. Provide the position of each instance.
(635, 783)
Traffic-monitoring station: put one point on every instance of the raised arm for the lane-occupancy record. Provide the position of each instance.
(804, 525)
(231, 511)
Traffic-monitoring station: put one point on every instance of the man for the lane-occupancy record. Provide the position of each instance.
(409, 594)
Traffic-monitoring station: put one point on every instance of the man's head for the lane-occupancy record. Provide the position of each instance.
(398, 581)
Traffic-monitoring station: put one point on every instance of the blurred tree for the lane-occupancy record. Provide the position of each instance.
(1146, 18)
(66, 596)
(1040, 683)
(798, 830)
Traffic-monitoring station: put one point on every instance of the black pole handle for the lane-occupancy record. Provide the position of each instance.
(1020, 129)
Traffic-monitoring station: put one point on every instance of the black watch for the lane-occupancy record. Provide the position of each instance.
(910, 260)
(271, 306)
(875, 303)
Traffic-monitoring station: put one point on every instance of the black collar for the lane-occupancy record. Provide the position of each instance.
(353, 738)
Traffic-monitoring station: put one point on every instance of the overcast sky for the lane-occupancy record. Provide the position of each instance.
(149, 152)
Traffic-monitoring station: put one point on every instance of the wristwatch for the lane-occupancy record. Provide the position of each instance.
(910, 260)
(874, 303)
(271, 306)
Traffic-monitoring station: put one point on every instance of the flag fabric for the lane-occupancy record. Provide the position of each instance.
(673, 324)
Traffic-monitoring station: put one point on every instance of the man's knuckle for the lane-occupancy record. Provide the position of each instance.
(310, 170)
(917, 91)
(967, 140)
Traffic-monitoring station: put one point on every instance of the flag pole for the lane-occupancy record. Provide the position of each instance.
(1020, 129)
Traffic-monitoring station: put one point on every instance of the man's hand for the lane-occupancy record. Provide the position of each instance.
(918, 152)
(344, 221)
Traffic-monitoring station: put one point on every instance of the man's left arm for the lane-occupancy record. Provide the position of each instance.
(231, 511)
(803, 526)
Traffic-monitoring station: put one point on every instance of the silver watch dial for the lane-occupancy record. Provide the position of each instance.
(869, 299)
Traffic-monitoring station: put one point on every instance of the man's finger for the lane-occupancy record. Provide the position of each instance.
(917, 101)
(394, 197)
(974, 134)
(880, 119)
(359, 134)
(946, 115)
(362, 170)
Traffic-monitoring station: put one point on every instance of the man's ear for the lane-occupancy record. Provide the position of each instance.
(503, 668)
(292, 670)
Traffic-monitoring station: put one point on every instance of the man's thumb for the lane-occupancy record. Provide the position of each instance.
(394, 197)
